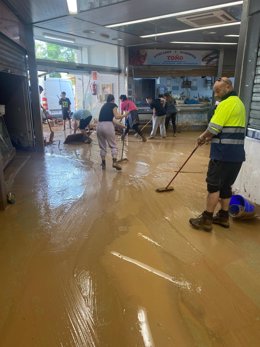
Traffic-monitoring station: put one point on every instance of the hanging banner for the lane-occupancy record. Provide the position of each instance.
(172, 57)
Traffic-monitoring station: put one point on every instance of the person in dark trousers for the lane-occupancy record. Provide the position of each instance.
(106, 131)
(159, 115)
(65, 107)
(130, 111)
(81, 119)
(171, 112)
(226, 131)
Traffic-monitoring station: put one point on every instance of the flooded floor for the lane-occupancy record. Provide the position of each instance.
(99, 258)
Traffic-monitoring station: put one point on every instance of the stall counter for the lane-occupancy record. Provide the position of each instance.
(189, 117)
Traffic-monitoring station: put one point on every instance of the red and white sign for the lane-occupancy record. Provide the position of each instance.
(172, 57)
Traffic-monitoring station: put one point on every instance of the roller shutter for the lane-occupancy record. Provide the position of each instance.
(253, 129)
(13, 57)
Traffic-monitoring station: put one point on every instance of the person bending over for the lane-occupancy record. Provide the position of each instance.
(81, 120)
(129, 109)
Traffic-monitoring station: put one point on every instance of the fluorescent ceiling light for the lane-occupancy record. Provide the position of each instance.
(232, 35)
(205, 43)
(72, 6)
(62, 39)
(189, 30)
(178, 14)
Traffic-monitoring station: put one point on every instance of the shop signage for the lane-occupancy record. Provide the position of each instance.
(172, 57)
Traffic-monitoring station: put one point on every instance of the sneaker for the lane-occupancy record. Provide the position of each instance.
(202, 222)
(221, 220)
(151, 137)
(144, 138)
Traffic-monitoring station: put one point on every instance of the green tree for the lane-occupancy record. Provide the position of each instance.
(52, 51)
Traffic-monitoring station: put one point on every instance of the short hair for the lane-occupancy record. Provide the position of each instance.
(123, 97)
(40, 89)
(110, 98)
(149, 97)
(64, 93)
(225, 80)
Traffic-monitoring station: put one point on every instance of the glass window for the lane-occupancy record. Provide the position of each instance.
(53, 51)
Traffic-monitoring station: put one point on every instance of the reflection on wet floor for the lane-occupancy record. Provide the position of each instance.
(98, 258)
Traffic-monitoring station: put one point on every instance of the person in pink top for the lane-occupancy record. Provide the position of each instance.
(129, 109)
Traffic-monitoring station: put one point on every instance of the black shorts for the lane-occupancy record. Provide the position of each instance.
(221, 175)
(65, 115)
(83, 123)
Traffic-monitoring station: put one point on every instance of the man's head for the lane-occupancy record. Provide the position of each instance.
(222, 87)
(63, 94)
(123, 97)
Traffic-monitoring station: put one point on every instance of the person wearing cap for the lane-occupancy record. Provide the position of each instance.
(129, 109)
(226, 132)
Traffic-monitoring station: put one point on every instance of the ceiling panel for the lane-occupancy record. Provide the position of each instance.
(89, 23)
(31, 11)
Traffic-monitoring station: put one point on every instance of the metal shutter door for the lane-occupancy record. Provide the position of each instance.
(253, 129)
(12, 57)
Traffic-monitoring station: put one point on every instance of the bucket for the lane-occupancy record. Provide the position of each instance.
(239, 207)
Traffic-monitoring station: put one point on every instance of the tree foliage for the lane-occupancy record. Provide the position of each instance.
(52, 51)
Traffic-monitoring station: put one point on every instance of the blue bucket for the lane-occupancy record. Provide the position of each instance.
(239, 207)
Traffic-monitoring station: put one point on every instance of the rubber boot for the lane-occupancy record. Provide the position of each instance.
(103, 164)
(116, 165)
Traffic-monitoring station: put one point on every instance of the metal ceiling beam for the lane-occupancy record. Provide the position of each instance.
(53, 66)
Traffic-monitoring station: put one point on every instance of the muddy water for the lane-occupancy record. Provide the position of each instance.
(98, 258)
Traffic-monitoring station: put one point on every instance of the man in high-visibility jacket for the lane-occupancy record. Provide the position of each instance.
(226, 131)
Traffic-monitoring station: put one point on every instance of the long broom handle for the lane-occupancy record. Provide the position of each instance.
(146, 124)
(194, 150)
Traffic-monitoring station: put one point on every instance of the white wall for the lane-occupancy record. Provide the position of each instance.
(104, 55)
(247, 183)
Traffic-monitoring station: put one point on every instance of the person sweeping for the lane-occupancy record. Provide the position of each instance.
(226, 132)
(130, 111)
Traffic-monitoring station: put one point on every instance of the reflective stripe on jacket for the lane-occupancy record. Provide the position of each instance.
(228, 126)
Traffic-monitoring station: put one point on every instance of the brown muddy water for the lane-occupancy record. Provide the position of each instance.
(98, 258)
